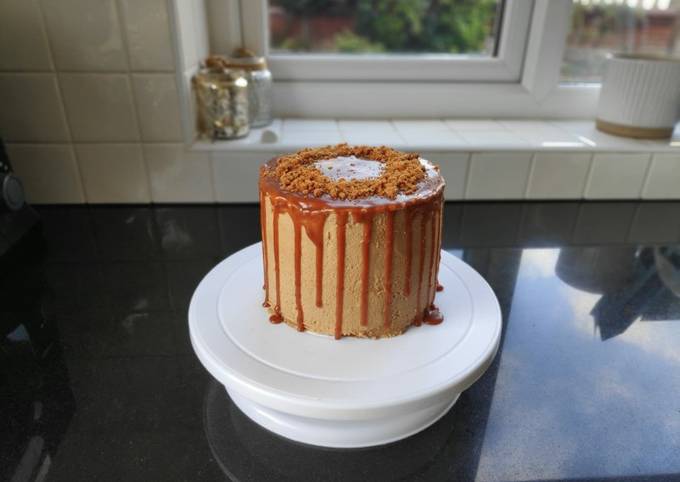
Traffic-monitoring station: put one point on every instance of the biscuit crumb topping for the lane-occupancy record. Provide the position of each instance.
(401, 174)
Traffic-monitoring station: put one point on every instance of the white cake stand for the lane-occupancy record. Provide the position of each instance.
(341, 393)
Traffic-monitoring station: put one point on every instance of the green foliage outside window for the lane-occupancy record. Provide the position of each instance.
(448, 26)
(444, 26)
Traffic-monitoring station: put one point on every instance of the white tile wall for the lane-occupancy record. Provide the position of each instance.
(49, 172)
(178, 175)
(540, 134)
(113, 173)
(200, 31)
(188, 105)
(501, 175)
(663, 181)
(99, 107)
(85, 81)
(454, 168)
(474, 125)
(310, 132)
(23, 42)
(586, 132)
(158, 107)
(313, 138)
(244, 166)
(558, 175)
(369, 132)
(184, 14)
(224, 25)
(31, 109)
(85, 35)
(421, 133)
(147, 29)
(103, 74)
(617, 176)
(309, 125)
(494, 139)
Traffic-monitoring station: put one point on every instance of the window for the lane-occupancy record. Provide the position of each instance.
(421, 58)
(390, 40)
(599, 28)
(384, 26)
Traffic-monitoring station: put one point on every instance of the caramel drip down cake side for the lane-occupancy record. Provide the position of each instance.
(351, 239)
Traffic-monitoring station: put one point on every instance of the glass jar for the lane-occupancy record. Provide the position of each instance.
(221, 103)
(259, 85)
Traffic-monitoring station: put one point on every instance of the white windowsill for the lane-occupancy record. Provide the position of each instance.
(446, 135)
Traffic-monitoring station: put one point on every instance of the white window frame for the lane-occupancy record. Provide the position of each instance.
(522, 81)
(506, 66)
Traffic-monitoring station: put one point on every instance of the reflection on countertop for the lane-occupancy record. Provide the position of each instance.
(98, 380)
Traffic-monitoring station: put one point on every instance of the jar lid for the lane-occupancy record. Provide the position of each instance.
(213, 74)
(215, 63)
(246, 59)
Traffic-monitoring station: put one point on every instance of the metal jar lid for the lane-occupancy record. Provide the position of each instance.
(222, 76)
(245, 59)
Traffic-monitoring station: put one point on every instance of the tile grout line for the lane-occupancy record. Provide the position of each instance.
(532, 165)
(589, 176)
(233, 146)
(633, 220)
(66, 143)
(185, 91)
(133, 95)
(390, 122)
(178, 75)
(645, 179)
(60, 95)
(50, 50)
(84, 72)
(468, 166)
(468, 173)
(213, 179)
(343, 137)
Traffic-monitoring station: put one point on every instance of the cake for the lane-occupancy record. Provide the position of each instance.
(351, 239)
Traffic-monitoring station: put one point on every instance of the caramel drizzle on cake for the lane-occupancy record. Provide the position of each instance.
(298, 277)
(263, 224)
(409, 249)
(389, 253)
(276, 317)
(311, 208)
(314, 228)
(341, 225)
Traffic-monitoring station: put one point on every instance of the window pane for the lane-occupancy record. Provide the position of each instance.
(602, 27)
(384, 26)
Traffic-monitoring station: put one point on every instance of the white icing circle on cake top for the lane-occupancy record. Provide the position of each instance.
(350, 168)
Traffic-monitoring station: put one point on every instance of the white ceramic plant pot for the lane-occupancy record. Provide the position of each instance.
(640, 96)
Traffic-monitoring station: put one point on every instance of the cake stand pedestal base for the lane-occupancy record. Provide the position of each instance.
(341, 433)
(344, 393)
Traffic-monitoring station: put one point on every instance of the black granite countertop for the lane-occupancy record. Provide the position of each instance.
(98, 380)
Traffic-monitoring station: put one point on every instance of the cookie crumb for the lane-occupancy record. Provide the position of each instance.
(297, 173)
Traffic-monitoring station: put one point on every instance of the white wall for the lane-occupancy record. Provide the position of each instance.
(91, 95)
(89, 104)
